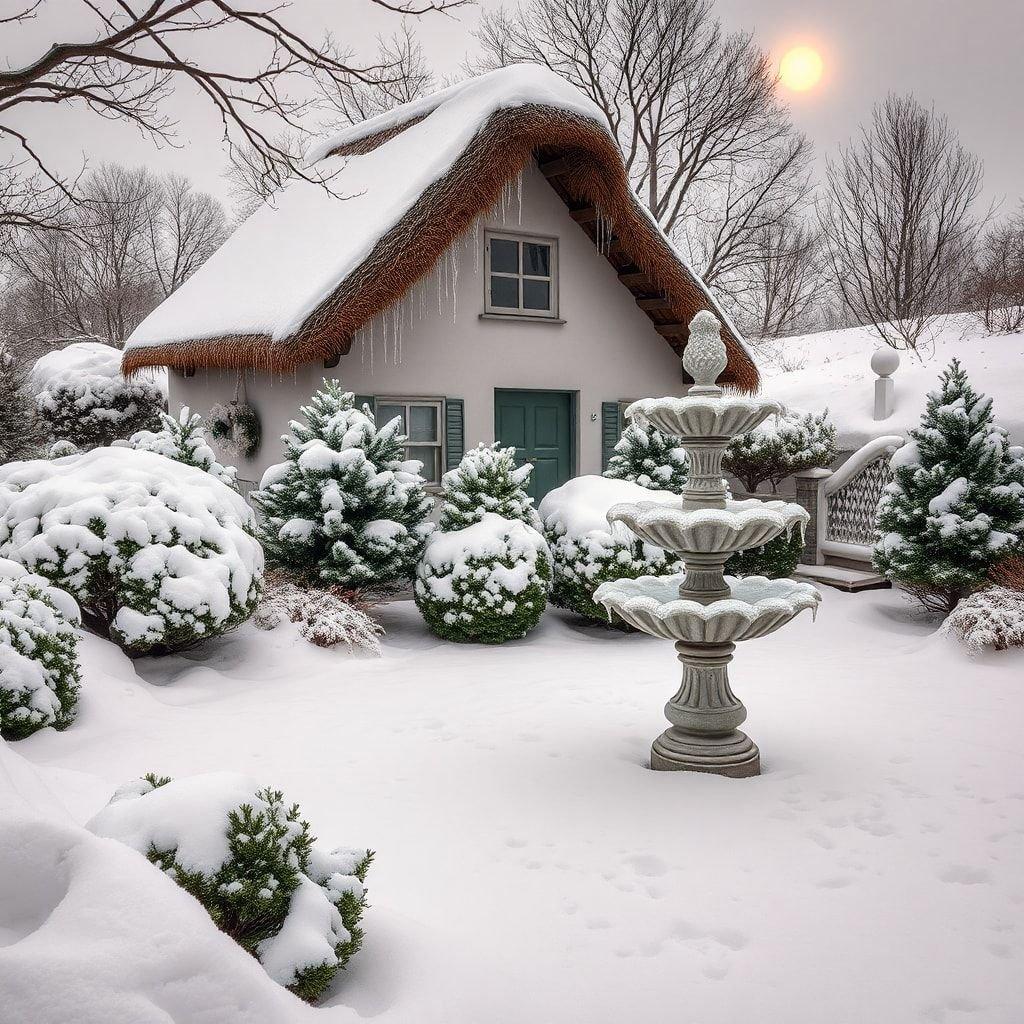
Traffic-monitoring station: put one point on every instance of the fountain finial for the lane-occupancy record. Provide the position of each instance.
(705, 356)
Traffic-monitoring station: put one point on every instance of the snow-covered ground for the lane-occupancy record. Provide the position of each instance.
(832, 368)
(529, 867)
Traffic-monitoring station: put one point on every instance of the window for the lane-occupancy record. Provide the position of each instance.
(522, 275)
(421, 423)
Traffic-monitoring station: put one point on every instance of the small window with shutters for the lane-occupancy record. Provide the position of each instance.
(421, 422)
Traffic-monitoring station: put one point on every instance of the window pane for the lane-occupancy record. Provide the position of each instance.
(537, 259)
(386, 413)
(429, 455)
(505, 292)
(504, 256)
(422, 423)
(536, 294)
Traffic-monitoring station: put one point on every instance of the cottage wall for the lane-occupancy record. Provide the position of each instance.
(606, 350)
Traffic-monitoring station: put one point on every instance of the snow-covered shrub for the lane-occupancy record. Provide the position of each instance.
(776, 559)
(781, 446)
(81, 395)
(646, 456)
(993, 617)
(21, 433)
(183, 439)
(486, 583)
(159, 555)
(346, 508)
(253, 864)
(486, 480)
(61, 448)
(587, 552)
(955, 507)
(324, 618)
(38, 653)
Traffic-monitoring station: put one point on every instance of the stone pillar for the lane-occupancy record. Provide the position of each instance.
(885, 362)
(810, 492)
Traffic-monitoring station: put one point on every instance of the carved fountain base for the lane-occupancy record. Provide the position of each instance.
(705, 714)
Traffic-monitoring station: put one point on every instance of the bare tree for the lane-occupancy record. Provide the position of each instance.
(130, 241)
(252, 180)
(126, 65)
(897, 215)
(708, 147)
(785, 282)
(995, 289)
(185, 229)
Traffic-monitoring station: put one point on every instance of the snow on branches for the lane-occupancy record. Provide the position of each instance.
(183, 439)
(487, 480)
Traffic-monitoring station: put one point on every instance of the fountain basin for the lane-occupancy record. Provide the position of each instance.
(758, 606)
(699, 416)
(739, 526)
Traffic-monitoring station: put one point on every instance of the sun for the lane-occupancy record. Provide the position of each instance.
(801, 68)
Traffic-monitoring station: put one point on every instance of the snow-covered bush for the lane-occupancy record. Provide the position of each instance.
(81, 395)
(587, 552)
(486, 583)
(158, 554)
(993, 617)
(955, 507)
(646, 456)
(184, 440)
(776, 559)
(781, 446)
(486, 480)
(324, 619)
(61, 449)
(253, 864)
(21, 433)
(38, 653)
(346, 508)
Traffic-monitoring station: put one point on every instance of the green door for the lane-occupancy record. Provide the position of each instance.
(540, 426)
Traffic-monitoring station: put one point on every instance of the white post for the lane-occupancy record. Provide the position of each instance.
(885, 362)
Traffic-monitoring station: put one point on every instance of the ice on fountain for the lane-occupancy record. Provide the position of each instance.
(697, 415)
(757, 606)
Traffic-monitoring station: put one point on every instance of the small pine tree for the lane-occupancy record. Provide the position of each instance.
(956, 505)
(486, 480)
(646, 456)
(781, 446)
(21, 434)
(184, 440)
(345, 508)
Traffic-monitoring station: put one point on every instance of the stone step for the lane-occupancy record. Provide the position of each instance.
(842, 578)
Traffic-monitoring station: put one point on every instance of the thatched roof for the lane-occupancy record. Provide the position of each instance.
(301, 276)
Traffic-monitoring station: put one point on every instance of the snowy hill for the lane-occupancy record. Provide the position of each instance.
(832, 368)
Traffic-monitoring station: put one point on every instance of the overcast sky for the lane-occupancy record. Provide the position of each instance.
(965, 56)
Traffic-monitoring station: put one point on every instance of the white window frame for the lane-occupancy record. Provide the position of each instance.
(537, 314)
(409, 402)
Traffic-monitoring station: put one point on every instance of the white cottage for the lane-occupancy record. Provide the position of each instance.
(477, 264)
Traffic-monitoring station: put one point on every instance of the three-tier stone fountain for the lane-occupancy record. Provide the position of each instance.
(704, 611)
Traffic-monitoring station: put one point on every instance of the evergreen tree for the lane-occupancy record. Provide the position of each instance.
(956, 504)
(21, 434)
(486, 480)
(781, 446)
(345, 508)
(646, 456)
(184, 440)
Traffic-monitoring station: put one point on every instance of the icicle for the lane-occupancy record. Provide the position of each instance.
(371, 348)
(519, 192)
(455, 282)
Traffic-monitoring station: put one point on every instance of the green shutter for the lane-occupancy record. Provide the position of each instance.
(611, 431)
(369, 400)
(454, 432)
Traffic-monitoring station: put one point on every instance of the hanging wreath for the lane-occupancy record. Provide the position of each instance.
(236, 424)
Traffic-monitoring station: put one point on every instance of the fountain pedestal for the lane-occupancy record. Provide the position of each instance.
(704, 611)
(705, 714)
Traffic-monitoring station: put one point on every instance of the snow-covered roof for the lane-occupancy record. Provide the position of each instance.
(833, 369)
(297, 279)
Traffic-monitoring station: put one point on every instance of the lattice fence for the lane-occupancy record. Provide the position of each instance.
(851, 508)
